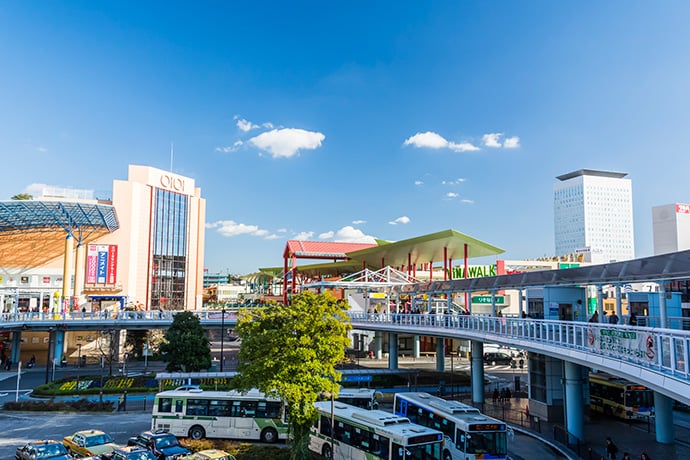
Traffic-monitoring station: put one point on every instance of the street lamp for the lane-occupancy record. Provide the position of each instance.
(79, 358)
(222, 335)
(50, 346)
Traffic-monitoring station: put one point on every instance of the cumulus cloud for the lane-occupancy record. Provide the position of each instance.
(511, 142)
(452, 195)
(359, 222)
(272, 236)
(400, 220)
(230, 148)
(492, 140)
(303, 236)
(326, 235)
(231, 228)
(434, 140)
(457, 181)
(282, 230)
(418, 182)
(349, 234)
(287, 142)
(245, 125)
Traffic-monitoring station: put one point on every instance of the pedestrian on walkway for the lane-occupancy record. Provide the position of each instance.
(495, 395)
(645, 456)
(626, 456)
(611, 449)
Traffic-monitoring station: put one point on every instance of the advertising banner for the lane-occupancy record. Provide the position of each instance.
(635, 345)
(112, 264)
(91, 263)
(102, 268)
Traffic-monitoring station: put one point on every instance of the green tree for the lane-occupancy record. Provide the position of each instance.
(186, 346)
(22, 196)
(291, 352)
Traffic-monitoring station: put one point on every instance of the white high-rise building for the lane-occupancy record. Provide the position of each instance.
(593, 215)
(671, 226)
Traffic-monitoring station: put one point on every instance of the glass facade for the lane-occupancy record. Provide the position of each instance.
(169, 258)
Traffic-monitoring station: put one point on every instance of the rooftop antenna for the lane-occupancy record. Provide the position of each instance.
(172, 152)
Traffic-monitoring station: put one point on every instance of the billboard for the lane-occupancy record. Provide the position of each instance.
(101, 264)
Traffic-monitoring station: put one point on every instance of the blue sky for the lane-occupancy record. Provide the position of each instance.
(339, 121)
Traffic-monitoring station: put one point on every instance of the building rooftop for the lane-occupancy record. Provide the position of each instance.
(591, 172)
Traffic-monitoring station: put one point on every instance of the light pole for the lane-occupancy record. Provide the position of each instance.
(50, 346)
(79, 358)
(222, 335)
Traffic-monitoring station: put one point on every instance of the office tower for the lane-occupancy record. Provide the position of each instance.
(593, 215)
(671, 226)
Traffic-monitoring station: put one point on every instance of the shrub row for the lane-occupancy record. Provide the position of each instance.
(79, 405)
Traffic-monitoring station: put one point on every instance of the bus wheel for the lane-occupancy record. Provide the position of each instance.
(326, 451)
(447, 456)
(269, 435)
(197, 432)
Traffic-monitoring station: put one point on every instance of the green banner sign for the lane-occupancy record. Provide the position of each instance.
(486, 299)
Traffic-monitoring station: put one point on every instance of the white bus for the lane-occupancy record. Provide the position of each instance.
(365, 398)
(360, 434)
(200, 414)
(469, 434)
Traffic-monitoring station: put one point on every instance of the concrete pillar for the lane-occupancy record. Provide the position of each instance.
(415, 346)
(79, 275)
(440, 354)
(573, 400)
(59, 346)
(521, 303)
(67, 270)
(600, 303)
(392, 350)
(663, 411)
(378, 344)
(477, 363)
(619, 304)
(663, 321)
(16, 347)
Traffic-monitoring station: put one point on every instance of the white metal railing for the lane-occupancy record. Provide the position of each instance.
(663, 350)
(123, 316)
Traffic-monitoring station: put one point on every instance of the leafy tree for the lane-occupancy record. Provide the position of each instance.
(291, 352)
(186, 346)
(22, 196)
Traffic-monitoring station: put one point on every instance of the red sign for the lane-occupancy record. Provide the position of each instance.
(112, 264)
(682, 208)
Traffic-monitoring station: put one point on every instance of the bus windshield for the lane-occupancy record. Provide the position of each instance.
(639, 398)
(487, 442)
(426, 452)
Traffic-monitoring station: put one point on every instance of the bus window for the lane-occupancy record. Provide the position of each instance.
(165, 405)
(178, 405)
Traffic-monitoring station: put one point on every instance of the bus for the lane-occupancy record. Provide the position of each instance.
(468, 434)
(198, 414)
(365, 398)
(360, 434)
(615, 396)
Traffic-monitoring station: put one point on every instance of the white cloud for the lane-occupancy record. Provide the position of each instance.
(457, 181)
(245, 125)
(282, 230)
(428, 139)
(463, 147)
(326, 235)
(418, 182)
(452, 195)
(492, 140)
(35, 189)
(272, 236)
(287, 142)
(303, 236)
(42, 149)
(359, 222)
(511, 142)
(231, 228)
(400, 220)
(465, 200)
(229, 149)
(349, 234)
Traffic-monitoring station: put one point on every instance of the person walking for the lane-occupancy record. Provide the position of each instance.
(626, 456)
(611, 449)
(633, 319)
(645, 456)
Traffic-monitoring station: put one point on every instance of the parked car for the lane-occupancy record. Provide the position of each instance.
(130, 453)
(211, 454)
(498, 357)
(164, 446)
(42, 450)
(89, 443)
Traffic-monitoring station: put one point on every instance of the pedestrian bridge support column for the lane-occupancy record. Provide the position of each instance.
(16, 346)
(477, 362)
(415, 346)
(663, 412)
(59, 347)
(392, 350)
(573, 400)
(440, 354)
(378, 344)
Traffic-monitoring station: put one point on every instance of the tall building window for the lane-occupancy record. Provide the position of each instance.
(169, 259)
